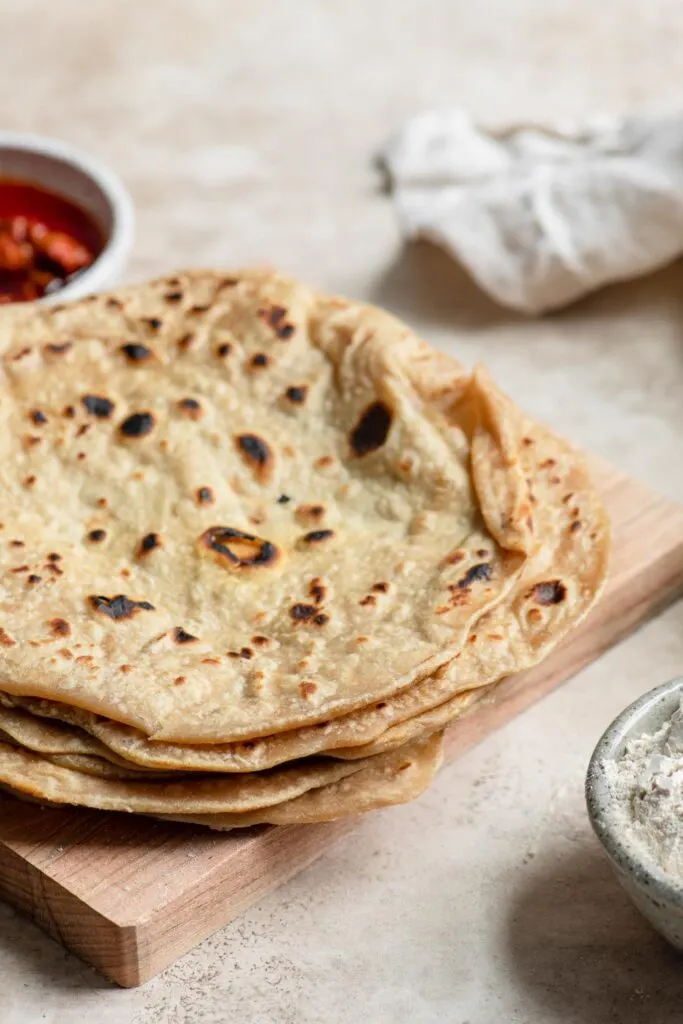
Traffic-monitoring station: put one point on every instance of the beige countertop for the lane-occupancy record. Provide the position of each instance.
(245, 130)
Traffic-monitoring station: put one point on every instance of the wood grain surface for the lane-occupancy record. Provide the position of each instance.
(130, 895)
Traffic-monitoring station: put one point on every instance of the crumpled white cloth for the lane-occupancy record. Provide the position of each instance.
(540, 216)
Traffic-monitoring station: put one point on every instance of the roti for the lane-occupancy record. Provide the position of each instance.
(556, 589)
(392, 779)
(233, 507)
(28, 774)
(103, 768)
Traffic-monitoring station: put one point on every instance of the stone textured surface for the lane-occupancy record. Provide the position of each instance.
(246, 132)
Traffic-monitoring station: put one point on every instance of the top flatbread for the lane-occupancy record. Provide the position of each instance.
(559, 585)
(232, 506)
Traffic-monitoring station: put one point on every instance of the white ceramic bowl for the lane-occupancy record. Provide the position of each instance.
(58, 167)
(656, 894)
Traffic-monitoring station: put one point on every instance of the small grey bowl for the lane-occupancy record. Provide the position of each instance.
(57, 166)
(656, 894)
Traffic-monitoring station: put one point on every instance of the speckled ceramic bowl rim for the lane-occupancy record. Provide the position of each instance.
(646, 714)
(119, 239)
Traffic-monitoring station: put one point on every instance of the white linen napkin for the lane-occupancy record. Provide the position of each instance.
(540, 216)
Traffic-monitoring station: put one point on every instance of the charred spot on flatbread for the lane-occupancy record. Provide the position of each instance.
(257, 454)
(235, 549)
(371, 430)
(119, 607)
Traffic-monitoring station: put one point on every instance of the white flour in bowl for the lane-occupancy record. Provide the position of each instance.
(647, 786)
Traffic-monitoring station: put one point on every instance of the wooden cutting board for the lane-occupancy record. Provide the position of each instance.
(130, 895)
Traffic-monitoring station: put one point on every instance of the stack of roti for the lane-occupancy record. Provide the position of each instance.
(259, 546)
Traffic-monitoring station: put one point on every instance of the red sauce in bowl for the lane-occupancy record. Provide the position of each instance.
(45, 241)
